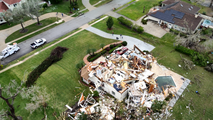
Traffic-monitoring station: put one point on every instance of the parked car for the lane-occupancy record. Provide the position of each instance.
(9, 50)
(38, 43)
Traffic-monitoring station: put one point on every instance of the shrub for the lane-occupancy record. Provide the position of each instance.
(140, 29)
(125, 22)
(45, 5)
(143, 21)
(204, 13)
(55, 56)
(158, 105)
(103, 52)
(1, 66)
(135, 27)
(111, 46)
(124, 43)
(95, 57)
(168, 97)
(96, 94)
(209, 68)
(199, 59)
(184, 50)
(171, 30)
(146, 51)
(55, 1)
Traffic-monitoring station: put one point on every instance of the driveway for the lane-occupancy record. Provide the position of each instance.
(152, 28)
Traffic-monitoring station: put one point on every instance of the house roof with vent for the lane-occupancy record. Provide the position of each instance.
(177, 18)
(10, 2)
(180, 6)
(168, 15)
(167, 2)
(3, 7)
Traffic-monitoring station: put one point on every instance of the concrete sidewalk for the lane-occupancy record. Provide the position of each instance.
(130, 40)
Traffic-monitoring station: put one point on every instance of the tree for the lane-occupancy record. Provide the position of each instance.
(109, 23)
(56, 1)
(102, 45)
(11, 91)
(88, 51)
(93, 51)
(82, 116)
(7, 15)
(37, 96)
(19, 14)
(34, 8)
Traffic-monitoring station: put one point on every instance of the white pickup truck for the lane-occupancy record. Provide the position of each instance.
(9, 50)
(38, 43)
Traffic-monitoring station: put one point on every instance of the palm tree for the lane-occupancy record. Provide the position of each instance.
(93, 51)
(88, 51)
(102, 45)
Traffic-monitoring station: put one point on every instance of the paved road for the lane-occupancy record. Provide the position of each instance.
(65, 28)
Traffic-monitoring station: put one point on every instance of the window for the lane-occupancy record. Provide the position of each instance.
(14, 5)
(113, 93)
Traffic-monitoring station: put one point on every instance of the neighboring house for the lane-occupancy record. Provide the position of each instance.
(3, 7)
(177, 15)
(8, 4)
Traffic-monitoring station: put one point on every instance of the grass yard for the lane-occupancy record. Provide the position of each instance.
(103, 2)
(5, 25)
(167, 56)
(60, 79)
(31, 28)
(62, 7)
(92, 2)
(135, 10)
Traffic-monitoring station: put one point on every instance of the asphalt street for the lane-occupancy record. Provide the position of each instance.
(60, 30)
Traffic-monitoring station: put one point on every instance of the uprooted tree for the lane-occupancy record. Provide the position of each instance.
(55, 56)
(8, 94)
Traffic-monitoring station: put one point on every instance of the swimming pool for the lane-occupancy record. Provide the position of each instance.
(163, 81)
(207, 23)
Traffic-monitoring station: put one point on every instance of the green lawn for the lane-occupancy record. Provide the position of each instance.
(168, 57)
(62, 7)
(5, 25)
(31, 28)
(60, 79)
(92, 2)
(103, 2)
(135, 10)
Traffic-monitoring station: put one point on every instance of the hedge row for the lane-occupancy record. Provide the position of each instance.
(125, 22)
(115, 48)
(184, 50)
(197, 58)
(55, 56)
(112, 47)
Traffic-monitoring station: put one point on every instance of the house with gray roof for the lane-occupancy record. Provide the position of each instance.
(178, 15)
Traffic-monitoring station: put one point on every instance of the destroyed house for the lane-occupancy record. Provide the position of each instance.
(115, 73)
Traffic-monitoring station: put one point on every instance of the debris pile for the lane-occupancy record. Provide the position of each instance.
(124, 74)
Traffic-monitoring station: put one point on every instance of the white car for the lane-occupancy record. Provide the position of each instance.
(9, 50)
(38, 43)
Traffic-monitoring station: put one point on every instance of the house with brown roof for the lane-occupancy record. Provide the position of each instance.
(178, 15)
(8, 4)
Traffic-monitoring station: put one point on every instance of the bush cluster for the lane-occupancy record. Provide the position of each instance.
(45, 5)
(184, 50)
(197, 58)
(209, 68)
(138, 29)
(125, 22)
(124, 43)
(55, 56)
